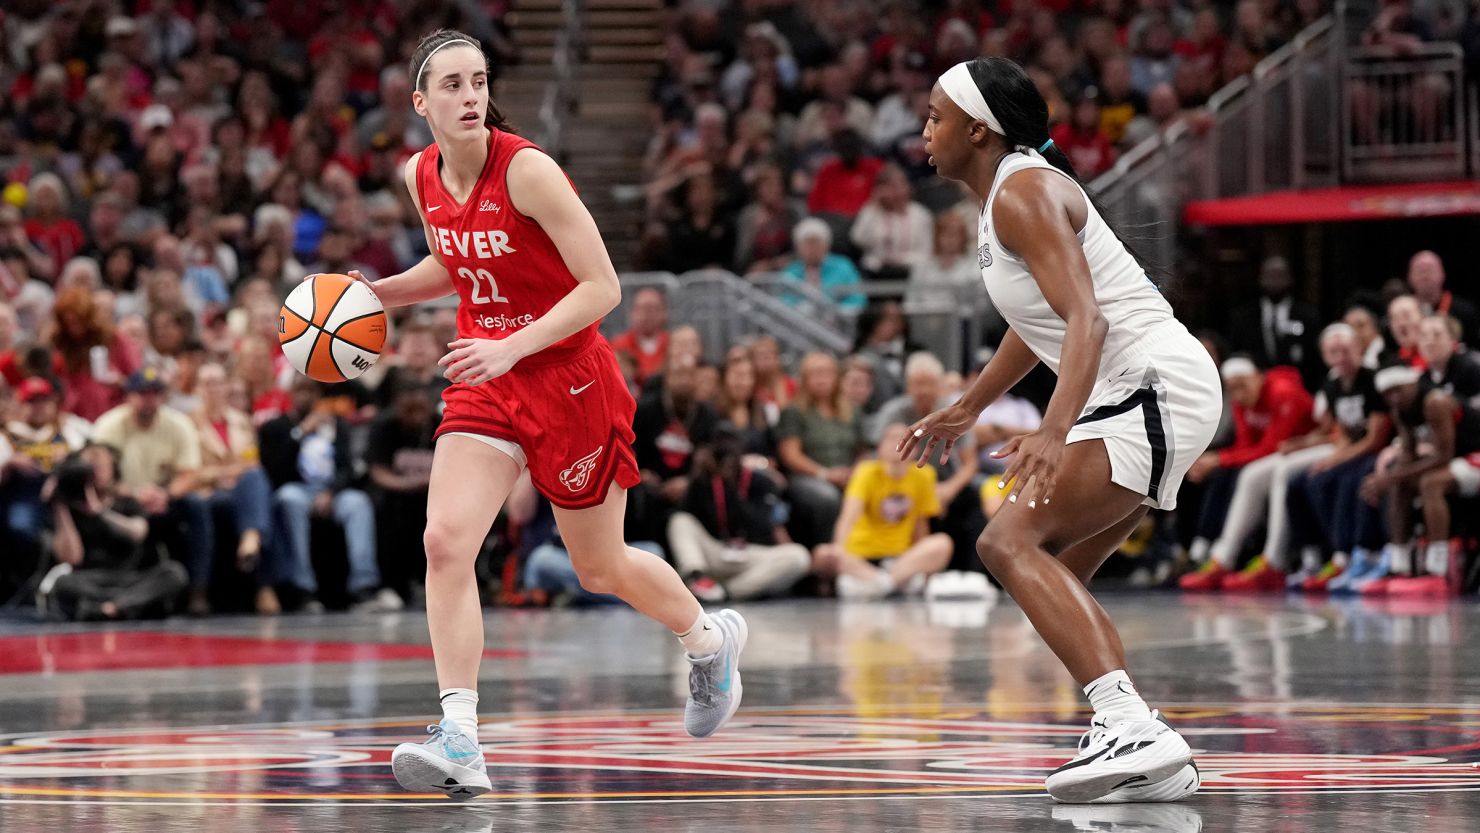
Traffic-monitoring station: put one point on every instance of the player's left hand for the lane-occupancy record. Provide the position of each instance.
(1035, 466)
(473, 361)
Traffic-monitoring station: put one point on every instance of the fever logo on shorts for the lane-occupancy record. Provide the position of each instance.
(579, 473)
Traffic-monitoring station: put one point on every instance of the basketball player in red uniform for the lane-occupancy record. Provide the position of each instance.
(534, 386)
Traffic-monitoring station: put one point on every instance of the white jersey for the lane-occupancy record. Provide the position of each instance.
(1129, 301)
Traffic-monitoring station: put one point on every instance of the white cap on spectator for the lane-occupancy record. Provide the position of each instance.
(120, 25)
(1395, 376)
(155, 116)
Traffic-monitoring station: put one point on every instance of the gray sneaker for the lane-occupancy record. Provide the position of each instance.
(714, 681)
(448, 762)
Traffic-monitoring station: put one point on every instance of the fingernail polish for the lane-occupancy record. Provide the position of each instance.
(1002, 484)
(1032, 504)
(1012, 499)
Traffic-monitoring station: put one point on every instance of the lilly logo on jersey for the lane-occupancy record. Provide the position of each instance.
(480, 244)
(489, 205)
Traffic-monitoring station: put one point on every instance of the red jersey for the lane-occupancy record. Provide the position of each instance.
(506, 269)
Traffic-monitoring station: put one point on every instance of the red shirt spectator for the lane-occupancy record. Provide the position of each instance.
(647, 341)
(61, 238)
(843, 189)
(1089, 152)
(1282, 411)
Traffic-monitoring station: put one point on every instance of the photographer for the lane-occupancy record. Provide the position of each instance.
(103, 540)
(729, 538)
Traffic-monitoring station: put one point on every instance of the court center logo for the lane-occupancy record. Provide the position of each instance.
(578, 475)
(764, 754)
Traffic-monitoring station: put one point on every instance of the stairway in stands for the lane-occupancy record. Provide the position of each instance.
(605, 138)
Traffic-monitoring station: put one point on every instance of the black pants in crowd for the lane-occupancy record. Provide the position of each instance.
(1217, 496)
(137, 593)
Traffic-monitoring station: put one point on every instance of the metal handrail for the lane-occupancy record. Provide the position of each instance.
(727, 308)
(560, 94)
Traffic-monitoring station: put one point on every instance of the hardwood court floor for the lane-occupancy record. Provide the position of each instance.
(1306, 716)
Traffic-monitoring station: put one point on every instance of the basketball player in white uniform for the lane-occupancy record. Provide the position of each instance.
(1138, 399)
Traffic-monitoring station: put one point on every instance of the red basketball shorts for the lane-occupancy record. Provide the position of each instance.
(571, 415)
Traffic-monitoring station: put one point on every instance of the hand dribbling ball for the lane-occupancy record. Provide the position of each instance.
(332, 327)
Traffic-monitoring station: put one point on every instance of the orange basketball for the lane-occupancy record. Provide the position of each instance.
(332, 327)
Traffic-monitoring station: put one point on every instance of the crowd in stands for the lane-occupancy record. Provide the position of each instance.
(776, 122)
(171, 170)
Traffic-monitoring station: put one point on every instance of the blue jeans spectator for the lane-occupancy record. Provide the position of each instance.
(248, 503)
(355, 514)
(548, 568)
(1335, 500)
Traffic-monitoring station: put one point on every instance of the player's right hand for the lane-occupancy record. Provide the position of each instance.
(942, 428)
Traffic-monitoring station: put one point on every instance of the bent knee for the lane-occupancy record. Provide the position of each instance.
(997, 551)
(601, 580)
(447, 546)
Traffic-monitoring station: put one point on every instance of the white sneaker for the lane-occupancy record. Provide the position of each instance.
(448, 761)
(1179, 786)
(384, 601)
(854, 589)
(1122, 755)
(959, 584)
(916, 585)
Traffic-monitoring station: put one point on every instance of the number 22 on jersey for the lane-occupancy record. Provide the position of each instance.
(477, 278)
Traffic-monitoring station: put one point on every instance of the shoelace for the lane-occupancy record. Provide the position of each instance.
(701, 683)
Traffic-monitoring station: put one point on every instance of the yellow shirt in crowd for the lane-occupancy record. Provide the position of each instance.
(891, 508)
(150, 455)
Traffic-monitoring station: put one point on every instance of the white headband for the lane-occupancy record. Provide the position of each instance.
(1238, 366)
(961, 87)
(1392, 377)
(417, 83)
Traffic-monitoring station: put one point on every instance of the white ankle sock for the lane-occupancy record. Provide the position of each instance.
(1310, 559)
(1400, 559)
(1436, 558)
(702, 638)
(460, 705)
(1114, 696)
(1199, 550)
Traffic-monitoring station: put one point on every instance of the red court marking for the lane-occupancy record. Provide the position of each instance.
(111, 651)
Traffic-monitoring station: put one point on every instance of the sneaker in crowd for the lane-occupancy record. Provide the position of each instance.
(855, 589)
(706, 589)
(384, 600)
(1207, 578)
(1259, 577)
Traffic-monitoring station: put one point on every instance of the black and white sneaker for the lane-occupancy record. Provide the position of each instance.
(1120, 756)
(1182, 785)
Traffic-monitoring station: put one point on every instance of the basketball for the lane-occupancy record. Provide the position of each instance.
(332, 328)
